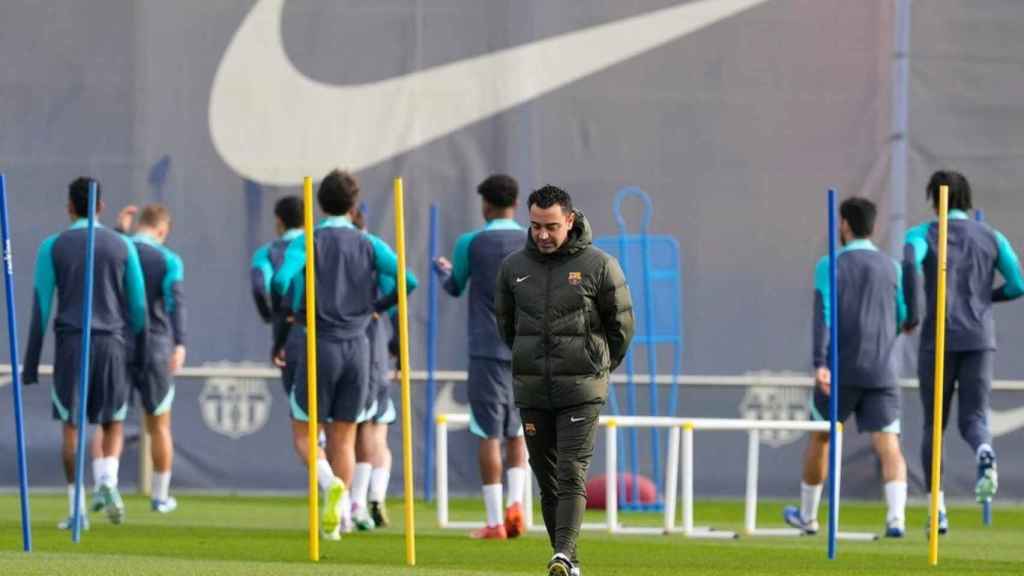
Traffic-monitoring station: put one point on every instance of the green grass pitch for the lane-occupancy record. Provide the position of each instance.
(266, 535)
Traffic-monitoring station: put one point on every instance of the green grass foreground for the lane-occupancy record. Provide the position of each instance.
(266, 535)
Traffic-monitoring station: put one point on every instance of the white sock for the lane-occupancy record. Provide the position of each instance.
(110, 471)
(984, 448)
(379, 479)
(516, 485)
(942, 500)
(361, 484)
(97, 471)
(71, 501)
(492, 501)
(896, 500)
(810, 498)
(346, 506)
(324, 474)
(161, 486)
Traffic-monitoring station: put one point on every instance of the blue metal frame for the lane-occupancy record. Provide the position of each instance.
(625, 246)
(12, 338)
(428, 422)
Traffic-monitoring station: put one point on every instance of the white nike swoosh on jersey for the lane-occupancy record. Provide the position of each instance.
(523, 279)
(575, 420)
(273, 124)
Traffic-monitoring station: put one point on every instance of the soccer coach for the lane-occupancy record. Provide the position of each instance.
(564, 309)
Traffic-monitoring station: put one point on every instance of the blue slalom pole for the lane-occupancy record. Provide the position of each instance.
(833, 397)
(986, 505)
(83, 381)
(428, 422)
(12, 338)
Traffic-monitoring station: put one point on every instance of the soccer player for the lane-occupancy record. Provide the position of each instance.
(349, 266)
(564, 309)
(373, 457)
(493, 414)
(163, 273)
(119, 301)
(975, 252)
(288, 217)
(287, 348)
(871, 311)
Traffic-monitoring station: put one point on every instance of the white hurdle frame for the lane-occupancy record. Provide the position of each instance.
(679, 459)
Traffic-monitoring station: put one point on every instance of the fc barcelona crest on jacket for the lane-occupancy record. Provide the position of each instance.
(575, 278)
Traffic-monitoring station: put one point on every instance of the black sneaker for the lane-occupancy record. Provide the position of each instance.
(560, 565)
(379, 514)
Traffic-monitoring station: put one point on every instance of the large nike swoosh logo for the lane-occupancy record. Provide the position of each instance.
(1002, 422)
(272, 124)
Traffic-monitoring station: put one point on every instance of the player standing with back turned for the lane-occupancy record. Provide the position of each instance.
(493, 413)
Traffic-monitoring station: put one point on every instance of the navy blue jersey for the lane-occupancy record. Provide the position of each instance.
(266, 261)
(476, 260)
(119, 293)
(351, 266)
(871, 311)
(975, 251)
(164, 274)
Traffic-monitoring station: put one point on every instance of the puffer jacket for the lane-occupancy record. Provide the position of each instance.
(568, 318)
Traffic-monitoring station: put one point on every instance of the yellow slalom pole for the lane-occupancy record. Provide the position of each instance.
(403, 343)
(314, 448)
(940, 365)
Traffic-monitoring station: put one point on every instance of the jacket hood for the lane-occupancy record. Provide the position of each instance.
(580, 237)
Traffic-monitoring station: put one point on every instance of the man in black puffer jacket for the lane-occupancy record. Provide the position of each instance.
(564, 309)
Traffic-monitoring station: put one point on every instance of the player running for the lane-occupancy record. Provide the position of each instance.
(285, 350)
(119, 304)
(493, 414)
(871, 312)
(975, 252)
(163, 273)
(349, 266)
(373, 457)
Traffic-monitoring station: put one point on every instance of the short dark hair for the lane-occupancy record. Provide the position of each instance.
(290, 211)
(959, 189)
(860, 214)
(548, 195)
(499, 190)
(153, 215)
(78, 195)
(338, 192)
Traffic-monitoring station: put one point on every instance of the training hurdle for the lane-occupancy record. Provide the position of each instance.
(679, 459)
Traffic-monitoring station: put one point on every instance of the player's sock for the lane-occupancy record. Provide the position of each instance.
(492, 502)
(346, 508)
(896, 501)
(942, 500)
(379, 479)
(982, 449)
(516, 485)
(161, 487)
(324, 474)
(108, 476)
(810, 498)
(71, 500)
(98, 465)
(361, 484)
